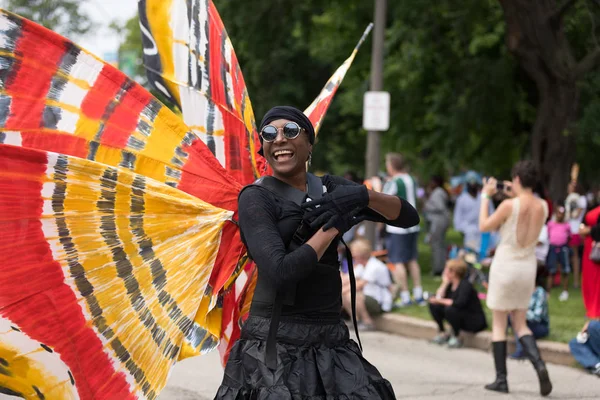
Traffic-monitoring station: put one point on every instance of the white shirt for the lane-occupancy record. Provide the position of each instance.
(378, 278)
(391, 188)
(575, 202)
(541, 249)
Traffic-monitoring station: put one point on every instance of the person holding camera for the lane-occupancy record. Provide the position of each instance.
(513, 270)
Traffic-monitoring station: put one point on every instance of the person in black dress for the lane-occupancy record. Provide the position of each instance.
(457, 302)
(294, 344)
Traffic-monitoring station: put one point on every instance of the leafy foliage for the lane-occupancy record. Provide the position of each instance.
(62, 16)
(132, 42)
(459, 99)
(456, 99)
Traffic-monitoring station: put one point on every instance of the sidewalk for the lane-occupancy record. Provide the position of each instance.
(552, 352)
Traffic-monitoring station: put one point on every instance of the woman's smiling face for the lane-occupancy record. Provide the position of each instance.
(287, 157)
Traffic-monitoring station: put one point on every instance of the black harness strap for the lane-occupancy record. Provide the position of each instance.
(282, 189)
(352, 291)
(315, 186)
(271, 349)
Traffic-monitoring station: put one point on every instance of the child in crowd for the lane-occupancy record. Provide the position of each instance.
(456, 301)
(559, 232)
(538, 318)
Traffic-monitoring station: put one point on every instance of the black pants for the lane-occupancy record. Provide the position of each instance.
(459, 320)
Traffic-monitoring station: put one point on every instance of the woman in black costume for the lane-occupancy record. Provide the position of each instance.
(294, 344)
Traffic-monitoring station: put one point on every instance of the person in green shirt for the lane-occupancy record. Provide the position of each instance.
(401, 243)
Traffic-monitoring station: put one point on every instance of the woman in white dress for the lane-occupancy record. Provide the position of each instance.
(512, 274)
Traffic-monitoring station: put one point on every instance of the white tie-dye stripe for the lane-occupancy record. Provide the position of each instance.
(68, 121)
(86, 68)
(72, 95)
(13, 137)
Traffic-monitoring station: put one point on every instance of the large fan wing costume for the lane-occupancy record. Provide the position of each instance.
(119, 253)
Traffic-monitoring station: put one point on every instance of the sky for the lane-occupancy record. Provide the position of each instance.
(102, 40)
(103, 12)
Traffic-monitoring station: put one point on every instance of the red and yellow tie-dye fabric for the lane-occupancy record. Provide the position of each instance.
(56, 96)
(190, 59)
(103, 266)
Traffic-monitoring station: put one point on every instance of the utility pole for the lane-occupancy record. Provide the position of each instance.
(372, 155)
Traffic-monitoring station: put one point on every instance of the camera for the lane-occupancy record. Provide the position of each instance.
(500, 185)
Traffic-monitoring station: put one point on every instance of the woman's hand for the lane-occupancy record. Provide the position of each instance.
(585, 326)
(490, 186)
(444, 302)
(584, 230)
(342, 200)
(341, 223)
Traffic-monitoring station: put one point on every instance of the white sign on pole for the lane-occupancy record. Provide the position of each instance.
(376, 111)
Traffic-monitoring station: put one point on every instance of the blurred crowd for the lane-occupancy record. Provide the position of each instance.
(389, 274)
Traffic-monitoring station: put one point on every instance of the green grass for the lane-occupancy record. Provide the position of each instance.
(566, 318)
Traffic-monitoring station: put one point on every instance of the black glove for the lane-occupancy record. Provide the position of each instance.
(342, 200)
(341, 222)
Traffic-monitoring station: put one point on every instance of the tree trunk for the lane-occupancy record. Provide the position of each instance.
(535, 35)
(553, 143)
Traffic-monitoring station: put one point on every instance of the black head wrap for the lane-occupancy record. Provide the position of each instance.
(291, 114)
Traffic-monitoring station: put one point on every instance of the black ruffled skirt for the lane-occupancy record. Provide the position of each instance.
(313, 362)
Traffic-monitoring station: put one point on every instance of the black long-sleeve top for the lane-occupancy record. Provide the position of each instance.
(268, 222)
(465, 298)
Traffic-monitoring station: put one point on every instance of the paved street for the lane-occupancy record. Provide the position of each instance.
(417, 370)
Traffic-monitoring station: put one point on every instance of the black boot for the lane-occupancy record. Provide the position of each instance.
(500, 384)
(533, 354)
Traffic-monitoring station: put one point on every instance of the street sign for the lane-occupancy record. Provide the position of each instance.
(376, 111)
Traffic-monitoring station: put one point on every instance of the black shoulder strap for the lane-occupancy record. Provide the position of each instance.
(315, 188)
(281, 189)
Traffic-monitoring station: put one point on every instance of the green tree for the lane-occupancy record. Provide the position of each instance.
(62, 16)
(457, 100)
(288, 50)
(131, 45)
(539, 36)
(460, 99)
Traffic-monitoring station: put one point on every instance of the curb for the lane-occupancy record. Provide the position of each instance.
(552, 352)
